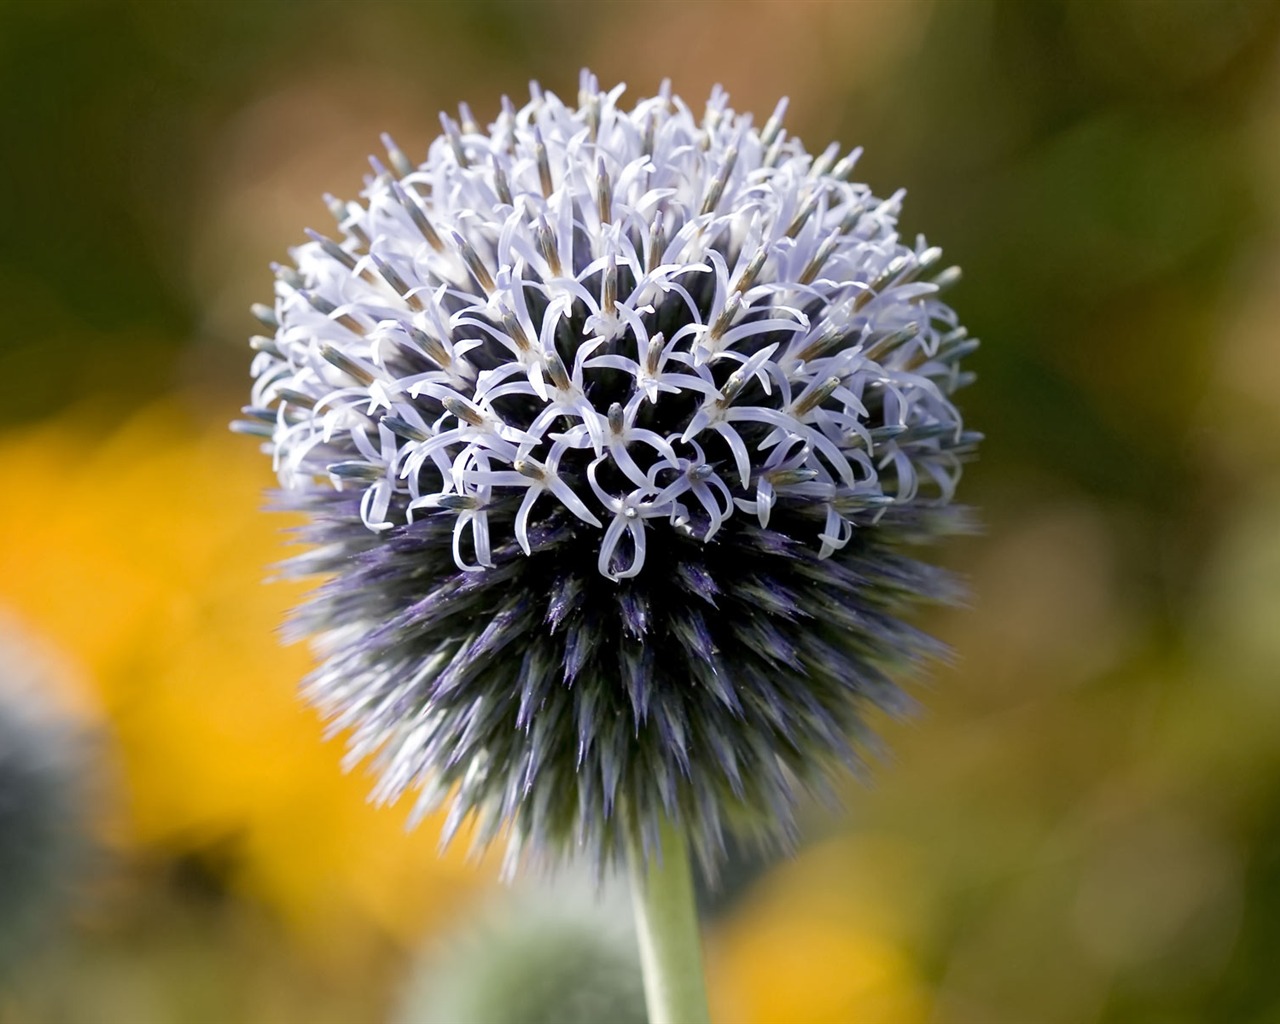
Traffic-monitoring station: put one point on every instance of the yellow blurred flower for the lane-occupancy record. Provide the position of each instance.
(819, 942)
(142, 556)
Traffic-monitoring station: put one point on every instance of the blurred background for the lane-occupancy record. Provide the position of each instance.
(1083, 827)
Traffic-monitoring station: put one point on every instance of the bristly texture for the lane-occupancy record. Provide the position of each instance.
(612, 426)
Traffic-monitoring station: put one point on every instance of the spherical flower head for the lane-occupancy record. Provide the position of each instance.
(612, 426)
(564, 954)
(44, 819)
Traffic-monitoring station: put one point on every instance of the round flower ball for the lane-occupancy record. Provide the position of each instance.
(613, 427)
(45, 823)
(566, 955)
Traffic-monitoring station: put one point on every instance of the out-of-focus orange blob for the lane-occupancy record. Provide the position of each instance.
(809, 947)
(142, 555)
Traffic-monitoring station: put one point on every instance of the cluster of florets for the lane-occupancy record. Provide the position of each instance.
(611, 424)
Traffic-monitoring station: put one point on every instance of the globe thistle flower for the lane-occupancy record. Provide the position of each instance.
(44, 819)
(612, 428)
(562, 955)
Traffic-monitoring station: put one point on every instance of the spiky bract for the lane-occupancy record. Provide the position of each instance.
(612, 427)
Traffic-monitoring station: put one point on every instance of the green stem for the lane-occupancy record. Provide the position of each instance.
(667, 925)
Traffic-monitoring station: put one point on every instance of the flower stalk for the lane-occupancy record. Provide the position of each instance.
(667, 926)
